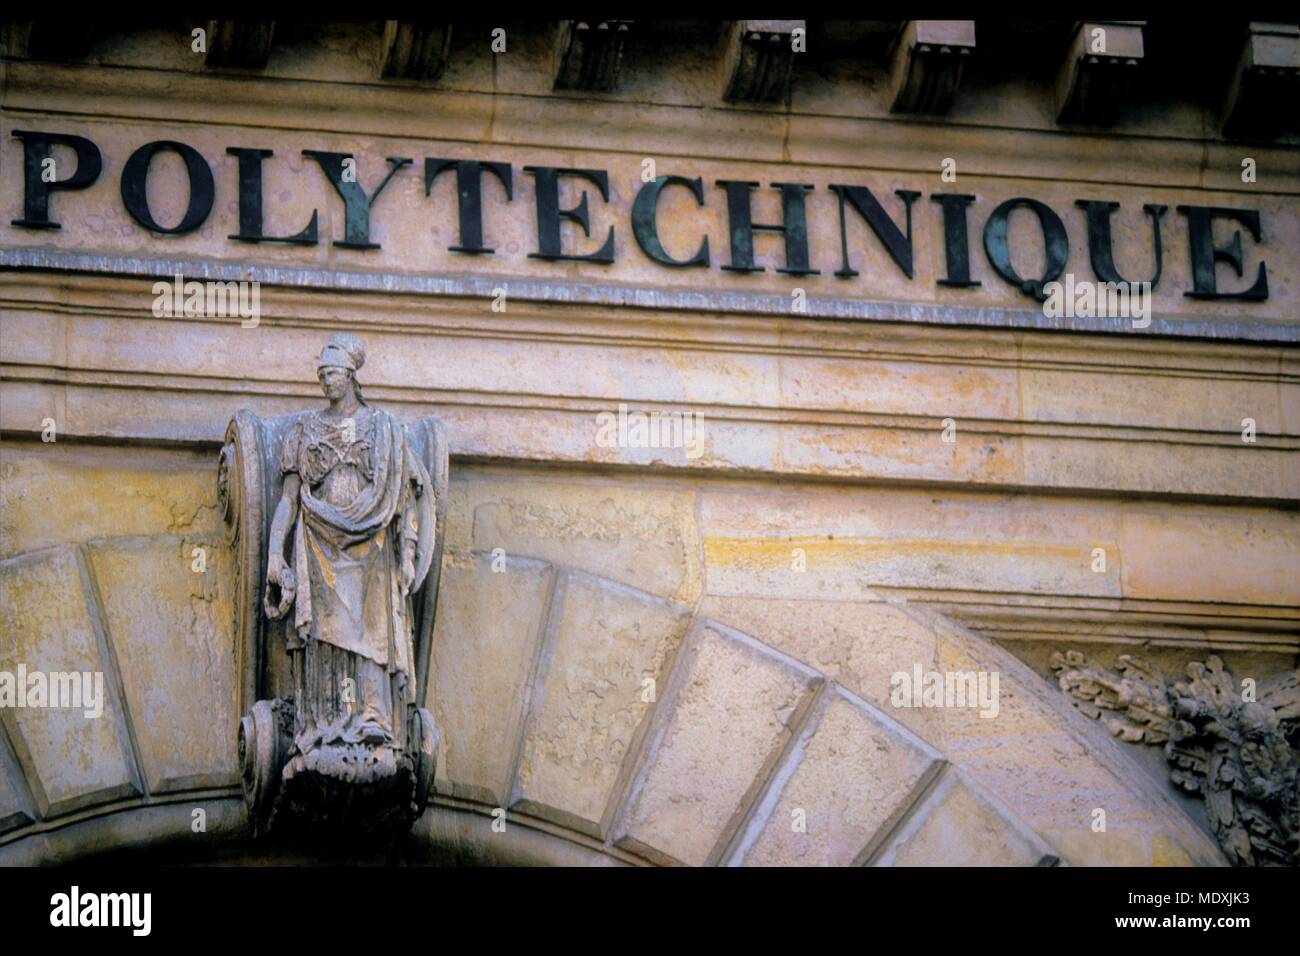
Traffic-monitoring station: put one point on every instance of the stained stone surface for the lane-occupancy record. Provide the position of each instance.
(1168, 852)
(856, 774)
(854, 544)
(1256, 561)
(957, 825)
(858, 644)
(1054, 769)
(47, 624)
(484, 648)
(606, 641)
(726, 728)
(642, 537)
(59, 493)
(171, 627)
(14, 811)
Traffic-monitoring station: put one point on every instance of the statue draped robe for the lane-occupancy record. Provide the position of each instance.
(363, 494)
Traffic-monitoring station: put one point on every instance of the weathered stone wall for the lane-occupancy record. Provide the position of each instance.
(821, 436)
(758, 706)
(822, 450)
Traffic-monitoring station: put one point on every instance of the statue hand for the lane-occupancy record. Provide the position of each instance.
(407, 574)
(279, 575)
(275, 569)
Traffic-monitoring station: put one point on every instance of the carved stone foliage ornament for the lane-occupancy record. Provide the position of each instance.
(1236, 746)
(335, 516)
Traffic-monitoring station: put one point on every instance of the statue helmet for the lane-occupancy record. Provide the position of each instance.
(342, 350)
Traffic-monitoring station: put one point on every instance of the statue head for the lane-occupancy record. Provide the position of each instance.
(337, 366)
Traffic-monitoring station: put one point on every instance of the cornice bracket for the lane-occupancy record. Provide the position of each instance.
(760, 60)
(242, 43)
(928, 60)
(1099, 70)
(414, 49)
(589, 54)
(1266, 79)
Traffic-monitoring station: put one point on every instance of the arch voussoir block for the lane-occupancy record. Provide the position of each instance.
(732, 712)
(852, 777)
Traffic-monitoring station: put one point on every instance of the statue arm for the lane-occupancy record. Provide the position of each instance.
(417, 526)
(286, 512)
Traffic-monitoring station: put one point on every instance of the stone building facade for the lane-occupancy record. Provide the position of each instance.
(723, 496)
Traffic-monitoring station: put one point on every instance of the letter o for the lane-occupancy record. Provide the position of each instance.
(135, 196)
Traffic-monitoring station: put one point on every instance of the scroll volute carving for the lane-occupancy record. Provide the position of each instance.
(335, 518)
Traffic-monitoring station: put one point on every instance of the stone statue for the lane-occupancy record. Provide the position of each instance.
(353, 536)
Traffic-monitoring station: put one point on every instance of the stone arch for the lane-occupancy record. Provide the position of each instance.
(611, 725)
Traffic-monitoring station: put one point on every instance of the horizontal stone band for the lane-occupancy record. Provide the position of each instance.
(640, 297)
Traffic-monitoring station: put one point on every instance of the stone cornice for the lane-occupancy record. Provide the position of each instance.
(1096, 61)
(579, 322)
(802, 135)
(1076, 619)
(638, 297)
